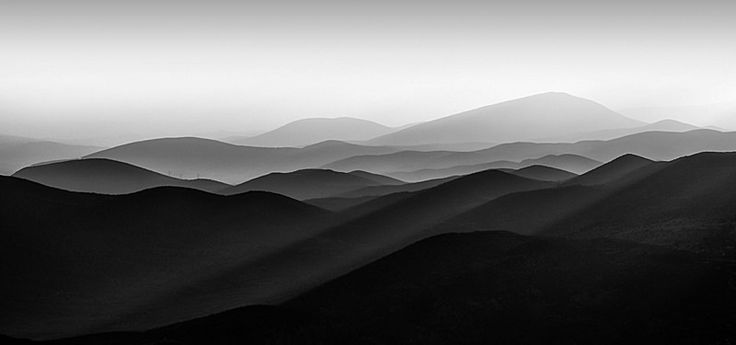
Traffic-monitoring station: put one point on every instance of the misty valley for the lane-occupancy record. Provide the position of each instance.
(548, 219)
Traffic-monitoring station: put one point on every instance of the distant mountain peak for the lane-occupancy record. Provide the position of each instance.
(548, 114)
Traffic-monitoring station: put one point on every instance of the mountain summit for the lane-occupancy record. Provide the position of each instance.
(542, 115)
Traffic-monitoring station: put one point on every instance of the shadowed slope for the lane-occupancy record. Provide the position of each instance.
(385, 190)
(107, 177)
(305, 184)
(88, 258)
(688, 203)
(341, 248)
(533, 211)
(544, 173)
(612, 170)
(426, 174)
(380, 179)
(491, 288)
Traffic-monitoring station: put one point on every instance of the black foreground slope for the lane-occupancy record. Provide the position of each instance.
(75, 262)
(106, 176)
(689, 203)
(338, 249)
(612, 170)
(490, 288)
(534, 211)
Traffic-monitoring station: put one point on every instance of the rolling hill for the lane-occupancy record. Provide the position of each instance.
(308, 183)
(330, 253)
(612, 170)
(687, 203)
(491, 287)
(542, 115)
(544, 173)
(195, 157)
(569, 162)
(16, 153)
(314, 130)
(658, 146)
(107, 177)
(89, 259)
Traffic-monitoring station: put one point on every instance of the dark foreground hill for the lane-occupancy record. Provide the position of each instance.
(687, 203)
(612, 170)
(490, 288)
(338, 249)
(107, 176)
(76, 262)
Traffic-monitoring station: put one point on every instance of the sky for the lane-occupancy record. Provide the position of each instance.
(127, 70)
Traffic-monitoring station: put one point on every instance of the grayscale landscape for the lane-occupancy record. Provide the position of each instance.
(388, 172)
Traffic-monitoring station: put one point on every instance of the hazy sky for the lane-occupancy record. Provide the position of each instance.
(133, 69)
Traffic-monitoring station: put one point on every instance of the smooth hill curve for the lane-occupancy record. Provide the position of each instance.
(107, 176)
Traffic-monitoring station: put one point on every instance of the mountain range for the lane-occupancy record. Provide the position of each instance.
(106, 176)
(194, 241)
(651, 145)
(19, 152)
(543, 115)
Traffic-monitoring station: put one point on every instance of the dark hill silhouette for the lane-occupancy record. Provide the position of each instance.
(573, 163)
(305, 184)
(489, 288)
(658, 146)
(80, 261)
(552, 205)
(687, 203)
(310, 131)
(365, 200)
(191, 157)
(544, 173)
(381, 179)
(612, 170)
(426, 174)
(338, 249)
(337, 204)
(390, 162)
(389, 189)
(16, 153)
(107, 177)
(542, 115)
